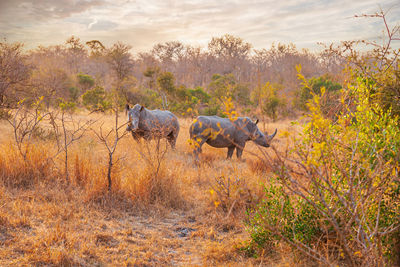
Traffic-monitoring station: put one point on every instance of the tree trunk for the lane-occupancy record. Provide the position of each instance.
(110, 163)
(66, 166)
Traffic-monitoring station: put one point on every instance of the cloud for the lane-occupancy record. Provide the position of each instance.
(92, 23)
(102, 25)
(144, 23)
(46, 9)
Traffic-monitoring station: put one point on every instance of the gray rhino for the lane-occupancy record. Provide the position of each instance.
(221, 132)
(148, 124)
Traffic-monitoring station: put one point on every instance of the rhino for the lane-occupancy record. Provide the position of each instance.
(222, 132)
(150, 124)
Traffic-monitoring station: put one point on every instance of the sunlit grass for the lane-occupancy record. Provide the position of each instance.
(45, 221)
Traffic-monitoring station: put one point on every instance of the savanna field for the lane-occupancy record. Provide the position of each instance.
(76, 189)
(179, 216)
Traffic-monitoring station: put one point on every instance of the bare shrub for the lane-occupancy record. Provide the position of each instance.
(25, 123)
(67, 130)
(230, 194)
(110, 140)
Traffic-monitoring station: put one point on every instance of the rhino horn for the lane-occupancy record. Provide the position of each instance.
(272, 135)
(256, 121)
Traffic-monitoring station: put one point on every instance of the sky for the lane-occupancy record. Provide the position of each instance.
(144, 23)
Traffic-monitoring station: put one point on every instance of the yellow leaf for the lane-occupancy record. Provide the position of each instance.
(357, 253)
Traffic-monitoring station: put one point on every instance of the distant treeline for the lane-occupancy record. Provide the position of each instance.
(183, 78)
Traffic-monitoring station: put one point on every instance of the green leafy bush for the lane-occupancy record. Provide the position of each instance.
(74, 93)
(200, 94)
(166, 82)
(314, 86)
(267, 98)
(85, 81)
(96, 100)
(66, 105)
(227, 86)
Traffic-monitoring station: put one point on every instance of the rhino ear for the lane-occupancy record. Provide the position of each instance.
(127, 108)
(141, 108)
(256, 122)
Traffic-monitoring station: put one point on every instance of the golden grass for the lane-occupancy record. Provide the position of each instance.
(167, 217)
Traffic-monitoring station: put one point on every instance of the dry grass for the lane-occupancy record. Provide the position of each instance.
(152, 218)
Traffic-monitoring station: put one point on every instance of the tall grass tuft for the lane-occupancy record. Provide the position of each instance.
(157, 189)
(17, 172)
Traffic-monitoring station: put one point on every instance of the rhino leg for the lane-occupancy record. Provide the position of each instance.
(172, 139)
(198, 141)
(136, 136)
(230, 152)
(239, 150)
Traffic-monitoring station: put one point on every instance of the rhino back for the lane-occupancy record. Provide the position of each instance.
(152, 120)
(217, 131)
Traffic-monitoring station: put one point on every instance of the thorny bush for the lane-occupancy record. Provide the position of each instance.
(335, 195)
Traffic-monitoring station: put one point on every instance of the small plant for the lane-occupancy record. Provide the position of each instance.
(230, 194)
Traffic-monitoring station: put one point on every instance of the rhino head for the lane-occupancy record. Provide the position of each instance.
(133, 117)
(260, 138)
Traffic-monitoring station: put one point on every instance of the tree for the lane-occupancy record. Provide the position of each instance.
(229, 47)
(14, 71)
(267, 99)
(50, 82)
(96, 48)
(152, 73)
(169, 51)
(227, 86)
(25, 121)
(74, 93)
(120, 61)
(76, 53)
(166, 85)
(233, 51)
(166, 82)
